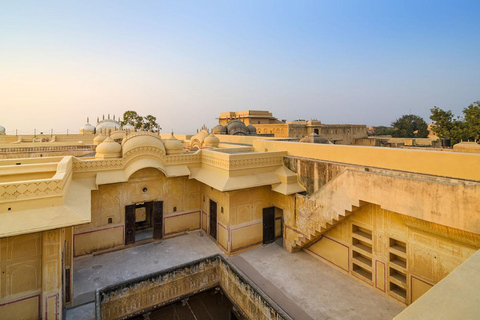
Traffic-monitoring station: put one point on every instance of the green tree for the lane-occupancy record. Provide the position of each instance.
(383, 131)
(442, 122)
(151, 122)
(410, 126)
(132, 118)
(471, 115)
(445, 125)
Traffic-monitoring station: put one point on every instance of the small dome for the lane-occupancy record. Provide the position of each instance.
(118, 135)
(2, 130)
(252, 129)
(87, 128)
(219, 129)
(237, 127)
(99, 139)
(142, 139)
(108, 149)
(173, 145)
(315, 138)
(211, 141)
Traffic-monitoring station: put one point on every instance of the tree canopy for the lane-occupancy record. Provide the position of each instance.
(410, 126)
(133, 118)
(383, 131)
(445, 125)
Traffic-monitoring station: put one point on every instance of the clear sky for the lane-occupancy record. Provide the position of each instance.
(366, 62)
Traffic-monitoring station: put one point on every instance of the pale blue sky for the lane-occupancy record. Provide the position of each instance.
(366, 62)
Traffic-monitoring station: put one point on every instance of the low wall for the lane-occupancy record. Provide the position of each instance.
(444, 164)
(145, 293)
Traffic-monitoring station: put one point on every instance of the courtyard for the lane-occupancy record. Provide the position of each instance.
(306, 288)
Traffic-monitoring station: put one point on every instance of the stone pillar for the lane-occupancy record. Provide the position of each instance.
(52, 275)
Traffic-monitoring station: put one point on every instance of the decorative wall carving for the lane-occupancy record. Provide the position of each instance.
(39, 188)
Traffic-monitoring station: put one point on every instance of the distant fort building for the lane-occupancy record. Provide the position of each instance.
(267, 125)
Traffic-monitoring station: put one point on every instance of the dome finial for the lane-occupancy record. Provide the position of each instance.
(98, 119)
(88, 121)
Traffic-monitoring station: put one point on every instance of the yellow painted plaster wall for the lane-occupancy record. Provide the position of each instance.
(21, 276)
(31, 275)
(444, 164)
(222, 200)
(429, 256)
(180, 196)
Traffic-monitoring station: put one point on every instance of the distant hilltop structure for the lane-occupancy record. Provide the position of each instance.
(266, 124)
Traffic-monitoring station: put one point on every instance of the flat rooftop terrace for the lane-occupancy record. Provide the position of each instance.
(302, 285)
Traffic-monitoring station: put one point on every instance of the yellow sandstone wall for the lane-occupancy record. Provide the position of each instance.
(399, 256)
(31, 275)
(444, 164)
(21, 276)
(222, 200)
(109, 201)
(240, 225)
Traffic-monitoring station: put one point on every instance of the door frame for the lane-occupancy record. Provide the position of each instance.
(212, 205)
(268, 222)
(157, 217)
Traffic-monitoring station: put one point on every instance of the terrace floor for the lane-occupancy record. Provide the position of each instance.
(302, 285)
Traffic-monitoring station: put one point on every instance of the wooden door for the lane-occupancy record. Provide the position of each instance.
(213, 219)
(129, 224)
(157, 219)
(268, 225)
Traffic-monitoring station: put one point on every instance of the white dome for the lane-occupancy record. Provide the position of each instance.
(2, 130)
(87, 129)
(108, 124)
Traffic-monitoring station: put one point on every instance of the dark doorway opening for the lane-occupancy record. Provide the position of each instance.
(315, 131)
(213, 219)
(143, 221)
(268, 225)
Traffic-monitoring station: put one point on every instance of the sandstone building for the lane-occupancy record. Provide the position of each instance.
(396, 225)
(265, 124)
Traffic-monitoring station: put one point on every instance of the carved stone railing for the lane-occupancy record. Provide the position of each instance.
(145, 293)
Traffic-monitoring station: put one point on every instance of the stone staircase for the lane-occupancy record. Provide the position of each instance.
(422, 196)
